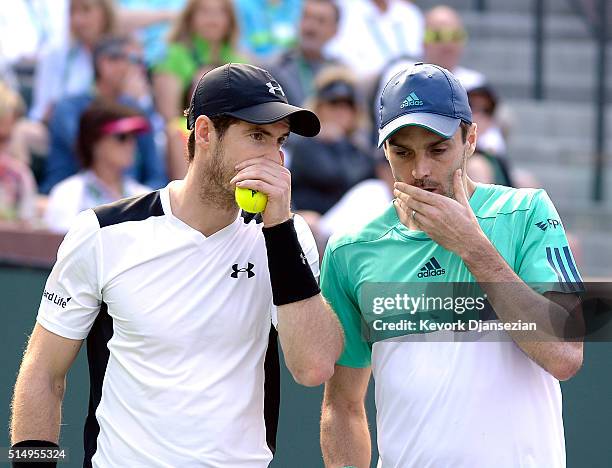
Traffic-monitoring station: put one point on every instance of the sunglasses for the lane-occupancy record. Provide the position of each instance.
(123, 137)
(438, 36)
(133, 58)
(341, 102)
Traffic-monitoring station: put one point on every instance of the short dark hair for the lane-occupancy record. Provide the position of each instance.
(465, 128)
(99, 113)
(221, 124)
(108, 46)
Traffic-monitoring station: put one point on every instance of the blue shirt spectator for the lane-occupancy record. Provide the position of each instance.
(268, 27)
(153, 37)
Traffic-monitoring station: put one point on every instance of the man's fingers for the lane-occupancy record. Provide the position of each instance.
(411, 203)
(460, 194)
(258, 172)
(259, 185)
(263, 162)
(418, 193)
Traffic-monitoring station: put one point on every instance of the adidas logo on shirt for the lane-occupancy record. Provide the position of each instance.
(411, 100)
(431, 268)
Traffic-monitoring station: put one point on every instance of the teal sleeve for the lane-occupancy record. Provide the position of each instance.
(334, 287)
(545, 260)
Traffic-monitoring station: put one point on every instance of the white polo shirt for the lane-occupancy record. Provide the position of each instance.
(178, 327)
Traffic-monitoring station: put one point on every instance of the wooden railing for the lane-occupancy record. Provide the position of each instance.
(23, 246)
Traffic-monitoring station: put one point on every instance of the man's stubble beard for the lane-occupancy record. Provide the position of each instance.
(449, 191)
(214, 181)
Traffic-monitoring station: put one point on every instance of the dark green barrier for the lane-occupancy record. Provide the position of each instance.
(587, 399)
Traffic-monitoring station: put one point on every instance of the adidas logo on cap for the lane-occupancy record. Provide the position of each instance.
(431, 268)
(411, 100)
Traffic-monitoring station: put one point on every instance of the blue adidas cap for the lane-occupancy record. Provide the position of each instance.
(424, 95)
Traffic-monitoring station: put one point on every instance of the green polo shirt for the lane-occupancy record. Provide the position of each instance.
(522, 224)
(184, 61)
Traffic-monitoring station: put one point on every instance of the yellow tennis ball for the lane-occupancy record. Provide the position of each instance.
(251, 201)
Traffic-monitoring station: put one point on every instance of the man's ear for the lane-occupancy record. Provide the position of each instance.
(203, 130)
(385, 148)
(472, 138)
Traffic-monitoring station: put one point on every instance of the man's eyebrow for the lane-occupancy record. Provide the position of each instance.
(260, 129)
(437, 142)
(429, 145)
(257, 128)
(392, 142)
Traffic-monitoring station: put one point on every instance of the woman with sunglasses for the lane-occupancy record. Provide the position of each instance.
(105, 144)
(444, 44)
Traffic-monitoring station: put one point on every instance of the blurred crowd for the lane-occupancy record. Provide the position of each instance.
(92, 94)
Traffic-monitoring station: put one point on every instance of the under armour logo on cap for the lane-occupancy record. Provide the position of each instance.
(247, 93)
(248, 270)
(273, 87)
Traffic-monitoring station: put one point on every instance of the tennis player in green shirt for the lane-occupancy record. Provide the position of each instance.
(446, 402)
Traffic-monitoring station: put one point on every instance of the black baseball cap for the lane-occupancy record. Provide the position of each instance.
(337, 90)
(248, 93)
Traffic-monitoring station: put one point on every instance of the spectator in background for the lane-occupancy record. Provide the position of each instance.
(203, 37)
(489, 164)
(483, 102)
(325, 167)
(17, 186)
(7, 75)
(120, 77)
(150, 20)
(296, 68)
(444, 41)
(106, 143)
(177, 136)
(268, 27)
(374, 32)
(485, 168)
(444, 44)
(361, 204)
(66, 69)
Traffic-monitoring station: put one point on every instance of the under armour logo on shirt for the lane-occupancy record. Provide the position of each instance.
(248, 270)
(303, 257)
(275, 88)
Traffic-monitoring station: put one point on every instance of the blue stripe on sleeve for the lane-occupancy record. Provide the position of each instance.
(552, 265)
(572, 267)
(568, 281)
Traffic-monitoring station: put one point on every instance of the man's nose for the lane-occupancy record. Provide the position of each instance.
(422, 167)
(274, 154)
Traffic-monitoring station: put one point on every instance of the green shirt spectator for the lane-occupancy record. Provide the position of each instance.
(185, 61)
(203, 37)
